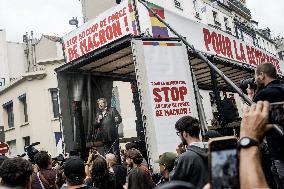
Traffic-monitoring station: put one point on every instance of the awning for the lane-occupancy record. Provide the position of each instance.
(116, 61)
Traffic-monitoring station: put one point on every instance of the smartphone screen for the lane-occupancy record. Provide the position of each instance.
(224, 166)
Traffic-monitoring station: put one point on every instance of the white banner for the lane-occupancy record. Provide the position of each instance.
(107, 27)
(204, 38)
(171, 90)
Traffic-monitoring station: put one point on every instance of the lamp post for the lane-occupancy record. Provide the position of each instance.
(74, 22)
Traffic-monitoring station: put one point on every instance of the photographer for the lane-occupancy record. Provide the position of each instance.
(272, 90)
(46, 176)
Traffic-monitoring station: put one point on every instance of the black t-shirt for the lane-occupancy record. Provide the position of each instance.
(273, 92)
(120, 176)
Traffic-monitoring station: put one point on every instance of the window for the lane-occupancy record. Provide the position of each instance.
(281, 55)
(12, 148)
(55, 104)
(227, 25)
(26, 141)
(2, 82)
(216, 19)
(23, 106)
(10, 115)
(196, 8)
(178, 4)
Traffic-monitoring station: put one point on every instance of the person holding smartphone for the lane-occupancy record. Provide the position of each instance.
(253, 128)
(192, 165)
(107, 120)
(272, 90)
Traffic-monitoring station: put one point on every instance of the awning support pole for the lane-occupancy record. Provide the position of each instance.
(217, 96)
(201, 112)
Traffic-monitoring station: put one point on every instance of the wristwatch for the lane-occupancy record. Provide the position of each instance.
(247, 142)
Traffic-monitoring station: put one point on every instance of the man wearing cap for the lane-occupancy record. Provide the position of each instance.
(74, 171)
(166, 162)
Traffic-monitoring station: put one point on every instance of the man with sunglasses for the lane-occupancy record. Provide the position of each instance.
(192, 165)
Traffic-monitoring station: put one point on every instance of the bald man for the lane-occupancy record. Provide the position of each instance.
(111, 161)
(119, 171)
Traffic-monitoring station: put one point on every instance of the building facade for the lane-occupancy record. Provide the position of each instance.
(12, 60)
(230, 16)
(30, 105)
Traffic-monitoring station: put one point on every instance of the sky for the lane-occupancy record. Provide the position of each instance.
(51, 16)
(269, 13)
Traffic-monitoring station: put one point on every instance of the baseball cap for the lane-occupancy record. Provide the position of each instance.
(74, 168)
(167, 158)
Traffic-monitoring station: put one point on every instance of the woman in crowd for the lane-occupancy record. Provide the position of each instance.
(100, 176)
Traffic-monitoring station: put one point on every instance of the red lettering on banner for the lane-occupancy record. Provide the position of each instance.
(169, 98)
(215, 43)
(158, 97)
(257, 57)
(229, 48)
(220, 43)
(90, 44)
(182, 111)
(159, 113)
(72, 53)
(240, 55)
(103, 31)
(83, 46)
(176, 94)
(103, 23)
(126, 24)
(116, 29)
(102, 37)
(95, 42)
(207, 38)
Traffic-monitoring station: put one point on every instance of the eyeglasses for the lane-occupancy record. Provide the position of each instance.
(178, 133)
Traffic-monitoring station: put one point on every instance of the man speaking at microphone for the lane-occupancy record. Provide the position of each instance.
(107, 120)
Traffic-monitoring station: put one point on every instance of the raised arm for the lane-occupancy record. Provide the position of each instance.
(254, 125)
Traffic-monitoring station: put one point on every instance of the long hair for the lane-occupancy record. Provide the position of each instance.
(101, 177)
(140, 179)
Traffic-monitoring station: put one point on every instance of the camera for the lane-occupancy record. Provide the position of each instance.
(32, 151)
(248, 82)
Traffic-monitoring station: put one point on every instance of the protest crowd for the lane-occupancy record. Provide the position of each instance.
(188, 167)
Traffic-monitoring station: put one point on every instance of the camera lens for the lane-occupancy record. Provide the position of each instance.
(248, 82)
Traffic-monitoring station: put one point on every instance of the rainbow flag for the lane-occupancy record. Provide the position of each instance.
(132, 17)
(159, 29)
(154, 43)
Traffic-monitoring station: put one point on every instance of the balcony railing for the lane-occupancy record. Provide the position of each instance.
(239, 7)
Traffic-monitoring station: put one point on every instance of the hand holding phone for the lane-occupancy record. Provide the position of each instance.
(223, 163)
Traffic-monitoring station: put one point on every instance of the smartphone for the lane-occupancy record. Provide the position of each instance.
(223, 163)
(276, 113)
